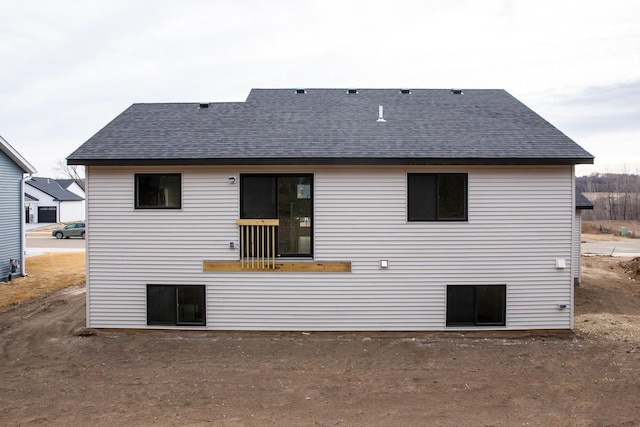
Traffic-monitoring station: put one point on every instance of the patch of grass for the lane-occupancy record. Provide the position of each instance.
(45, 273)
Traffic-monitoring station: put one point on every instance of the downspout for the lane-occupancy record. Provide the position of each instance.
(23, 228)
(87, 251)
(573, 245)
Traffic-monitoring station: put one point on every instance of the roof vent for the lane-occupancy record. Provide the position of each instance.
(456, 92)
(203, 105)
(405, 91)
(381, 114)
(301, 91)
(352, 91)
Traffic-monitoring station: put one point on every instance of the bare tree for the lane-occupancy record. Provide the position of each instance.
(63, 170)
(615, 196)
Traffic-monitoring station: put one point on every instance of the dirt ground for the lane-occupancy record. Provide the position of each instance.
(50, 374)
(611, 228)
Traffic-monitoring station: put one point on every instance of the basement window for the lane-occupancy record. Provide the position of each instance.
(479, 305)
(158, 191)
(174, 305)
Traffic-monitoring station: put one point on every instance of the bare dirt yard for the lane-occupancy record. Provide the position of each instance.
(51, 374)
(610, 230)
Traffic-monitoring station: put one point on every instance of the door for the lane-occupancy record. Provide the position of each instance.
(286, 197)
(47, 214)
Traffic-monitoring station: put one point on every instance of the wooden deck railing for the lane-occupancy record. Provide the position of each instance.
(258, 243)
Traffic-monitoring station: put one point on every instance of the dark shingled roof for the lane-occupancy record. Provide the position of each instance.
(52, 188)
(66, 183)
(331, 126)
(582, 203)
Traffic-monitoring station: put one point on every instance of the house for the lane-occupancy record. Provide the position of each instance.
(47, 201)
(74, 185)
(582, 204)
(331, 209)
(13, 168)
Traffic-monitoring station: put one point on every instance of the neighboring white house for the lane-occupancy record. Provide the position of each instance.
(331, 209)
(47, 201)
(77, 188)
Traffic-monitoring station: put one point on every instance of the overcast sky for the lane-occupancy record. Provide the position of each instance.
(70, 67)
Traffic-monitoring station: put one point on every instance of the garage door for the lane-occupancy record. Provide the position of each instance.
(47, 214)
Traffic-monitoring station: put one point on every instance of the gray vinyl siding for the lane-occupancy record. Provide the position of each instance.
(577, 235)
(10, 213)
(520, 221)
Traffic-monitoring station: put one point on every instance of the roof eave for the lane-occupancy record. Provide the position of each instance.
(11, 152)
(368, 161)
(584, 207)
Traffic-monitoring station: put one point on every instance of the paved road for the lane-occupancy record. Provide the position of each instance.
(37, 245)
(630, 248)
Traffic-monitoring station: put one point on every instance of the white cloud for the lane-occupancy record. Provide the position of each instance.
(603, 119)
(71, 66)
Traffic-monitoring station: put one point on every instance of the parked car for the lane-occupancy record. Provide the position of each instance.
(75, 229)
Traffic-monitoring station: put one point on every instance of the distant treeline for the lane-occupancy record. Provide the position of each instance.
(614, 195)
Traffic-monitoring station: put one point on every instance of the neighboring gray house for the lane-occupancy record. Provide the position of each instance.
(47, 201)
(13, 167)
(332, 209)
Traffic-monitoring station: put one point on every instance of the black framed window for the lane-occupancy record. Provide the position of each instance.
(286, 197)
(476, 305)
(158, 191)
(437, 196)
(176, 305)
